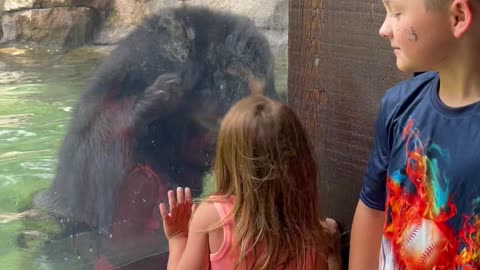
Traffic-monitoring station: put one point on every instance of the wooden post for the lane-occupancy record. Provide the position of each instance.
(338, 70)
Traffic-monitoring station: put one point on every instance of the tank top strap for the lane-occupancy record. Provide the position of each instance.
(224, 207)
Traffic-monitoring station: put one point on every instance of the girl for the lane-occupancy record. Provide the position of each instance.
(263, 213)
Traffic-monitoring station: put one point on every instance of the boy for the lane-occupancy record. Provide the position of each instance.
(419, 206)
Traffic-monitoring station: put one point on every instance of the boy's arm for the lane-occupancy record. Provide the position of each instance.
(366, 237)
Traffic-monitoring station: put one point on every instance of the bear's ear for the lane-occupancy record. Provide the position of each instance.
(256, 86)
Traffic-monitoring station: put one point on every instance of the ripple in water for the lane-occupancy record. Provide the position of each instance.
(14, 135)
(37, 166)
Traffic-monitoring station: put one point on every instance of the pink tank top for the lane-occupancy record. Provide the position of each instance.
(223, 258)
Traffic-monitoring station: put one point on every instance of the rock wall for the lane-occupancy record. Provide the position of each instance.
(67, 24)
(56, 24)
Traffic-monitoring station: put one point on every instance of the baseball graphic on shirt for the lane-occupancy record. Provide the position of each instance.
(422, 245)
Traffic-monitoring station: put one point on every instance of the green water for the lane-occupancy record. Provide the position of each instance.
(37, 92)
(36, 95)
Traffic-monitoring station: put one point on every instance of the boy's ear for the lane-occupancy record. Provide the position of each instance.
(461, 16)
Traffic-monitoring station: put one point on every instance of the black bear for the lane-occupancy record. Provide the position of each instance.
(148, 120)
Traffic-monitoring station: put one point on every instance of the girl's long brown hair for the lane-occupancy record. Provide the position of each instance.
(264, 160)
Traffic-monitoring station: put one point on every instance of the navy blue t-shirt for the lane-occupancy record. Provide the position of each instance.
(424, 172)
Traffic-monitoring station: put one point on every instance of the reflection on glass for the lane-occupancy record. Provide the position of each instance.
(91, 140)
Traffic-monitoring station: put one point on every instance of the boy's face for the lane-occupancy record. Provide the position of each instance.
(421, 39)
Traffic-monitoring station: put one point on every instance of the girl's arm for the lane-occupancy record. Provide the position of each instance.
(334, 258)
(188, 243)
(192, 252)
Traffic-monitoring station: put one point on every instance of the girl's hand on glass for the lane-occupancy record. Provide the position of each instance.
(175, 222)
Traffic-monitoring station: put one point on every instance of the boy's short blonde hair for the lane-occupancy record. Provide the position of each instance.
(439, 4)
(436, 4)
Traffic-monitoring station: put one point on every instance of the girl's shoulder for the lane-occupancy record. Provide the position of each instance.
(212, 212)
(223, 204)
(221, 198)
(204, 216)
